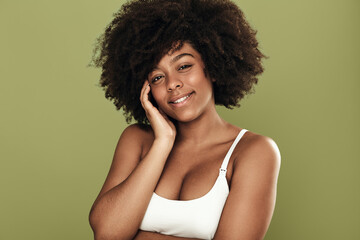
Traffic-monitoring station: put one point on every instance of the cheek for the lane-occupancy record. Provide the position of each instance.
(201, 82)
(198, 77)
(157, 96)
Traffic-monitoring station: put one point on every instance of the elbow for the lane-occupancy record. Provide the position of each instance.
(105, 234)
(93, 220)
(99, 231)
(98, 235)
(106, 231)
(95, 226)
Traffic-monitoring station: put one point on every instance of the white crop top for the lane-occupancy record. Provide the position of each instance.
(196, 218)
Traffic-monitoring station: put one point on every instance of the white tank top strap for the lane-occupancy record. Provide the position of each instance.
(228, 155)
(197, 218)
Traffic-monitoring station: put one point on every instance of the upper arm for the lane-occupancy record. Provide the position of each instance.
(126, 157)
(251, 201)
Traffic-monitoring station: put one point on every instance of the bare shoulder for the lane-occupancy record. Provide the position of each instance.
(256, 149)
(128, 153)
(138, 132)
(136, 138)
(253, 188)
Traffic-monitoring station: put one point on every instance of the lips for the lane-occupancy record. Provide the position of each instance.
(180, 98)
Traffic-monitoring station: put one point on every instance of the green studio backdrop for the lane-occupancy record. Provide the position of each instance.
(58, 132)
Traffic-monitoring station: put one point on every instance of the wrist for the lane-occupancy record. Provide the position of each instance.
(164, 142)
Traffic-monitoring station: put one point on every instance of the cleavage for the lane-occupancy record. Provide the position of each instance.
(183, 181)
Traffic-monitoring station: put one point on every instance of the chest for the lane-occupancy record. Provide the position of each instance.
(190, 172)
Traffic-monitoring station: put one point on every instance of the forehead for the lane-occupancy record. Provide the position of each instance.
(185, 50)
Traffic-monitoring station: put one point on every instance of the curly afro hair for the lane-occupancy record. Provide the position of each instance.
(143, 31)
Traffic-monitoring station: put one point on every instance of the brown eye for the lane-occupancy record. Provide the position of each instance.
(155, 79)
(184, 67)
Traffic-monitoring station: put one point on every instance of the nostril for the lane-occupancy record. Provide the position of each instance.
(177, 86)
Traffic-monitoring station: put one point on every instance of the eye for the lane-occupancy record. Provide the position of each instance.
(184, 67)
(155, 79)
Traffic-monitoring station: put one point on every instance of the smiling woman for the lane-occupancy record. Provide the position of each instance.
(182, 172)
(179, 84)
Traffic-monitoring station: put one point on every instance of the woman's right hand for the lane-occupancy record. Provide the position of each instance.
(163, 128)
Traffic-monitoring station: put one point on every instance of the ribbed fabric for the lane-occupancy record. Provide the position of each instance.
(196, 218)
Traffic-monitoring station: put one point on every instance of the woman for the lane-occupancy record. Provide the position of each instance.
(182, 172)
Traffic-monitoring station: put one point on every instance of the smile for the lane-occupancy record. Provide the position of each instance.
(182, 100)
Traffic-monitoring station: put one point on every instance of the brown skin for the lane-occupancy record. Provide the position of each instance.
(183, 162)
(143, 30)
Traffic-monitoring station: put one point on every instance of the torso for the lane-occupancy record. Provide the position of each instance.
(191, 171)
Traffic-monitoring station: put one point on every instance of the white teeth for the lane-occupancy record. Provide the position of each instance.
(182, 99)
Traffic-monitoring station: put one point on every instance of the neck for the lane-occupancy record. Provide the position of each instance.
(205, 127)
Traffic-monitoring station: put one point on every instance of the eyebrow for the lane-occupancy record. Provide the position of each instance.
(180, 56)
(175, 59)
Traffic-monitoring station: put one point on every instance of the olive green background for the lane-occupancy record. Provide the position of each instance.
(58, 132)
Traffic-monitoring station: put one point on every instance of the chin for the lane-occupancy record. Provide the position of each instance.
(185, 117)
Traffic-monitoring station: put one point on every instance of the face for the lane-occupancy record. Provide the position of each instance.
(180, 86)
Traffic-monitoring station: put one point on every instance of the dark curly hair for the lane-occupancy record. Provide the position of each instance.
(143, 31)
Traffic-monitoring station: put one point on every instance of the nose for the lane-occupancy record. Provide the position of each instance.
(173, 83)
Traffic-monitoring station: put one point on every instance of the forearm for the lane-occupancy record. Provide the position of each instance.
(119, 211)
(143, 235)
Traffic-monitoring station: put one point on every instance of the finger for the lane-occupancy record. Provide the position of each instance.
(142, 90)
(145, 97)
(147, 105)
(144, 93)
